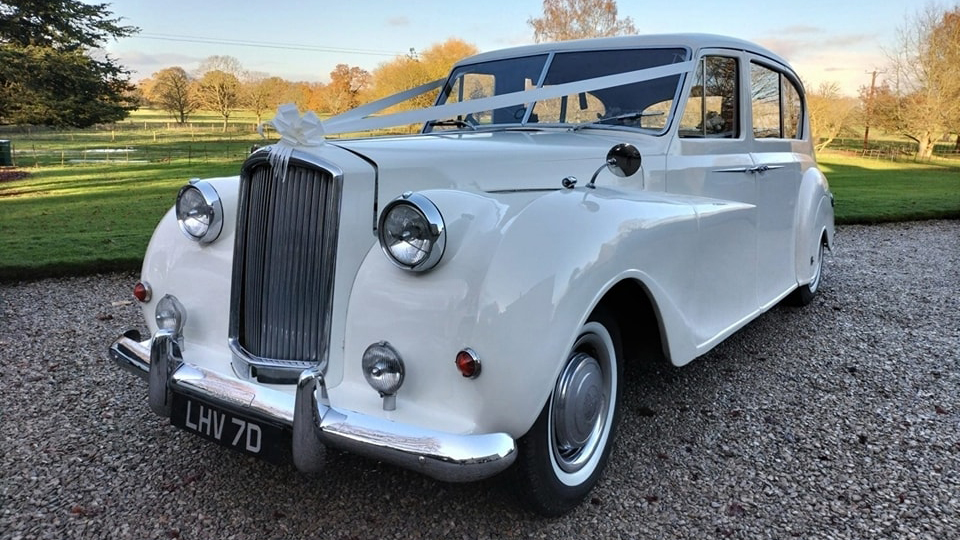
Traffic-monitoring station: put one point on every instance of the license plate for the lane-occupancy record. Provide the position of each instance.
(245, 434)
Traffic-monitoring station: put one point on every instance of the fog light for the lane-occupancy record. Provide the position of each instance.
(468, 362)
(170, 314)
(142, 291)
(383, 369)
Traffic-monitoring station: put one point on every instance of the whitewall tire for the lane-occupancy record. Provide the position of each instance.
(563, 455)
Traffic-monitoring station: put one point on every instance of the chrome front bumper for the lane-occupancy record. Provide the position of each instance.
(313, 421)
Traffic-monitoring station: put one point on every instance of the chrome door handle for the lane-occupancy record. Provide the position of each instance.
(760, 169)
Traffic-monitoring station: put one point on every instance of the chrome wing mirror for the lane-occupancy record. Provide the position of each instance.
(623, 160)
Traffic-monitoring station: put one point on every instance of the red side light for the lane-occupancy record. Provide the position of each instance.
(468, 363)
(142, 292)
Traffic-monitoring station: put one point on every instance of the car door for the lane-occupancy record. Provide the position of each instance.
(710, 157)
(775, 112)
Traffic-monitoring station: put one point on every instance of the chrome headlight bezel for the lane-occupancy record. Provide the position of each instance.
(431, 230)
(201, 222)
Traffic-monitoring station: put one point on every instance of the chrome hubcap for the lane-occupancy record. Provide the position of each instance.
(580, 404)
(815, 283)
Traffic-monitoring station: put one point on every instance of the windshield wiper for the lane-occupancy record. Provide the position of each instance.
(618, 118)
(451, 123)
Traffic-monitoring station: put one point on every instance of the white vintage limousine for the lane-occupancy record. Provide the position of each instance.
(463, 300)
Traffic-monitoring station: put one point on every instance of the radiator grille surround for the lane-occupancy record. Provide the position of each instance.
(283, 267)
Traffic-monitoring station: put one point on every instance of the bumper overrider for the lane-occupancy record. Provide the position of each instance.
(314, 423)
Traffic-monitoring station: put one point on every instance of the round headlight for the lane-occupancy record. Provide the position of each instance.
(199, 212)
(383, 368)
(411, 232)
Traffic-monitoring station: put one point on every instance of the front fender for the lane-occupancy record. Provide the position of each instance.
(197, 274)
(522, 273)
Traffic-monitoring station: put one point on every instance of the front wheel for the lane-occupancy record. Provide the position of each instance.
(563, 455)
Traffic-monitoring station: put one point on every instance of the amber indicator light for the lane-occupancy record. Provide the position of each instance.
(468, 364)
(141, 291)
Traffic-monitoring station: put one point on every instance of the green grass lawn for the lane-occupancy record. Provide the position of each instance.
(98, 216)
(876, 191)
(89, 218)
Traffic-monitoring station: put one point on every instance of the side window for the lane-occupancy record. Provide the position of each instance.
(765, 93)
(792, 109)
(711, 109)
(776, 104)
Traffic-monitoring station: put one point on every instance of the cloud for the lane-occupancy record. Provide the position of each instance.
(514, 40)
(801, 29)
(849, 69)
(399, 20)
(848, 40)
(143, 65)
(794, 48)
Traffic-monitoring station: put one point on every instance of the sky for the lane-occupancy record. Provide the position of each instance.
(825, 41)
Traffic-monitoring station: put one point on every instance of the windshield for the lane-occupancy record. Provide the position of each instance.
(645, 105)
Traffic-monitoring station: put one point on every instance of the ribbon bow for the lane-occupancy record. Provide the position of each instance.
(295, 131)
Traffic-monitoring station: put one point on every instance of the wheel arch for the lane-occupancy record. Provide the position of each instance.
(642, 332)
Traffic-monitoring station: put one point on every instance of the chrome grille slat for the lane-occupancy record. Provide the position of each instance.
(284, 265)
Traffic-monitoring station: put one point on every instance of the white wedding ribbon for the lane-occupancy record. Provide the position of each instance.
(381, 104)
(298, 131)
(295, 131)
(351, 121)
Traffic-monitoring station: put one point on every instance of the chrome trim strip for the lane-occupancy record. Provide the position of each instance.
(445, 456)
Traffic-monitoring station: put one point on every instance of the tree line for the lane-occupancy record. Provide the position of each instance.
(51, 73)
(917, 94)
(221, 85)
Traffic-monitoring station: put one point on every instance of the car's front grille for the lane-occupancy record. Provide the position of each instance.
(283, 266)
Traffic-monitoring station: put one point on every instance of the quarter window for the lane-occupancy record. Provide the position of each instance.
(791, 109)
(777, 107)
(711, 109)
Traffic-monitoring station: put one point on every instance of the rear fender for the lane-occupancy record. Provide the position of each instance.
(814, 221)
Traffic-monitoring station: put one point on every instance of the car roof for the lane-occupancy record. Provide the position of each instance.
(693, 42)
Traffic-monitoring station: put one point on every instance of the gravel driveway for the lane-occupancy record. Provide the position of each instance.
(838, 420)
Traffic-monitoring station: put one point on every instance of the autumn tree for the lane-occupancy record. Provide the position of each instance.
(405, 72)
(224, 63)
(302, 94)
(830, 113)
(171, 90)
(51, 69)
(578, 19)
(921, 97)
(346, 84)
(263, 93)
(219, 91)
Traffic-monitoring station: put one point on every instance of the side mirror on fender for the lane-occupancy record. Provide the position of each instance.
(623, 160)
